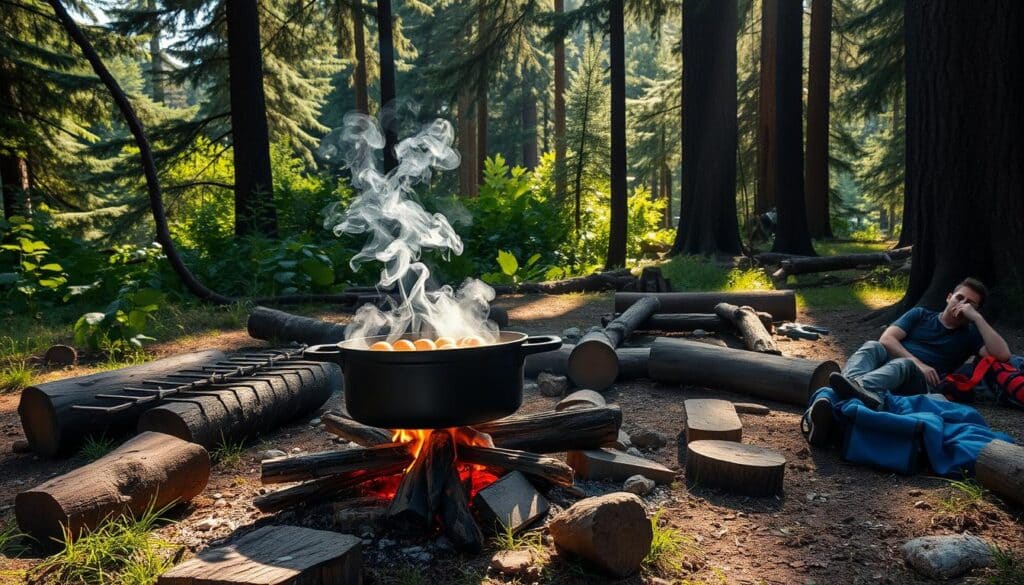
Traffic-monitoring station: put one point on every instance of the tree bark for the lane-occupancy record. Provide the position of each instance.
(149, 471)
(361, 85)
(965, 84)
(156, 59)
(386, 47)
(764, 199)
(468, 186)
(529, 121)
(559, 106)
(250, 136)
(710, 134)
(755, 336)
(481, 112)
(819, 222)
(791, 233)
(1000, 468)
(619, 197)
(14, 175)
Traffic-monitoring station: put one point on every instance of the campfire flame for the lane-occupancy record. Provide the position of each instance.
(474, 477)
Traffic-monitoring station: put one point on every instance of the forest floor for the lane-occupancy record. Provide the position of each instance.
(835, 523)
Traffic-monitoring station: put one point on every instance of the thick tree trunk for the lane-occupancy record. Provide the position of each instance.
(820, 64)
(468, 186)
(360, 83)
(791, 233)
(149, 471)
(14, 185)
(764, 199)
(619, 197)
(385, 41)
(560, 170)
(156, 60)
(481, 110)
(254, 185)
(529, 121)
(965, 84)
(666, 187)
(710, 134)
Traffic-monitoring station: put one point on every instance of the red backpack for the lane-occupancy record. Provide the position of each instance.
(1008, 380)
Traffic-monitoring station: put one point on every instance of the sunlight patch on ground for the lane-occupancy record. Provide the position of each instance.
(547, 307)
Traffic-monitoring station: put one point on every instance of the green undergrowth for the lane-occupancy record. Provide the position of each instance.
(228, 453)
(672, 552)
(696, 273)
(16, 376)
(95, 447)
(1007, 569)
(961, 496)
(12, 542)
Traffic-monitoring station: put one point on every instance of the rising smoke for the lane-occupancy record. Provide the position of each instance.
(399, 229)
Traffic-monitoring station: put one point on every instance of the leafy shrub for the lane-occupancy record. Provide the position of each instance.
(869, 233)
(28, 272)
(124, 319)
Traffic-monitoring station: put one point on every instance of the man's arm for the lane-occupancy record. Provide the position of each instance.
(891, 340)
(995, 345)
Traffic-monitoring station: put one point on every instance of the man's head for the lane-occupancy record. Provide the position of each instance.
(970, 291)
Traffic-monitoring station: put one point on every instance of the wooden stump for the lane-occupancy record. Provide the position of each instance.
(593, 363)
(780, 303)
(708, 418)
(275, 555)
(151, 469)
(580, 399)
(611, 531)
(53, 426)
(734, 467)
(61, 355)
(616, 466)
(1000, 468)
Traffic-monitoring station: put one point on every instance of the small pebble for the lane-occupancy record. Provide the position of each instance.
(922, 505)
(296, 450)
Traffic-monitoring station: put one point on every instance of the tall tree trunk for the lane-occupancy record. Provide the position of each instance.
(820, 63)
(965, 84)
(14, 185)
(254, 186)
(907, 212)
(764, 198)
(791, 235)
(359, 40)
(386, 47)
(560, 170)
(481, 110)
(529, 121)
(710, 134)
(545, 136)
(619, 197)
(666, 185)
(156, 59)
(467, 145)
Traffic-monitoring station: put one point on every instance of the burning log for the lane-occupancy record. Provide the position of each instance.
(150, 470)
(786, 379)
(552, 432)
(418, 499)
(456, 517)
(593, 363)
(319, 489)
(240, 410)
(271, 324)
(599, 281)
(327, 463)
(755, 336)
(54, 426)
(355, 431)
(781, 304)
(548, 469)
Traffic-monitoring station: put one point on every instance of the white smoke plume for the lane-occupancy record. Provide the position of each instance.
(399, 229)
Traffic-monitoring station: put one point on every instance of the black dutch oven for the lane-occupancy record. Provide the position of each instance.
(433, 389)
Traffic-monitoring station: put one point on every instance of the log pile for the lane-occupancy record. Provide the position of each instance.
(593, 363)
(780, 304)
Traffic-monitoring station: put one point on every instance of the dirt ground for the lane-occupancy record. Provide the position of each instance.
(835, 523)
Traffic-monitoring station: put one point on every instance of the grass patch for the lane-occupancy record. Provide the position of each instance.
(962, 496)
(1008, 568)
(839, 247)
(120, 550)
(16, 377)
(95, 447)
(12, 543)
(881, 289)
(696, 273)
(672, 552)
(505, 538)
(228, 453)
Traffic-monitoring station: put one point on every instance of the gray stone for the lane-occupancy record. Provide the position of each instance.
(272, 454)
(621, 442)
(296, 450)
(208, 524)
(648, 439)
(512, 562)
(220, 503)
(634, 452)
(385, 543)
(638, 485)
(947, 556)
(512, 502)
(552, 385)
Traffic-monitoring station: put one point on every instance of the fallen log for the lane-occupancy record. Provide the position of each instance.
(781, 304)
(682, 322)
(785, 379)
(148, 471)
(776, 258)
(593, 363)
(239, 411)
(632, 362)
(542, 467)
(1000, 468)
(319, 489)
(807, 265)
(599, 281)
(755, 336)
(734, 467)
(54, 427)
(338, 424)
(271, 324)
(553, 432)
(327, 463)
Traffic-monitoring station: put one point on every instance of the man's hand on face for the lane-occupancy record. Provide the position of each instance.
(967, 311)
(930, 374)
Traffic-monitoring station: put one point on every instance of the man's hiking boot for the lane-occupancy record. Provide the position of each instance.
(818, 422)
(849, 389)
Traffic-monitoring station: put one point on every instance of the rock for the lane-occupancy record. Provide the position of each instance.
(552, 385)
(385, 543)
(208, 524)
(217, 495)
(947, 556)
(512, 562)
(621, 443)
(220, 503)
(648, 439)
(915, 493)
(21, 446)
(296, 450)
(922, 505)
(611, 531)
(272, 454)
(60, 355)
(314, 422)
(634, 452)
(638, 485)
(572, 335)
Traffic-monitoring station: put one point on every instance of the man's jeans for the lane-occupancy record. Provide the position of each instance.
(874, 370)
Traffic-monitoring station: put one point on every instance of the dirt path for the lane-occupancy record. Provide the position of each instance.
(837, 523)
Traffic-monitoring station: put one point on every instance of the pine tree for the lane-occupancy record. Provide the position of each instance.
(587, 130)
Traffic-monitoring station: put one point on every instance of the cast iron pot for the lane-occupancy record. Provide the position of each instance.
(433, 389)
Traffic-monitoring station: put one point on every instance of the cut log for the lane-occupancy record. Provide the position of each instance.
(781, 304)
(319, 489)
(542, 467)
(611, 531)
(275, 555)
(735, 467)
(53, 427)
(327, 463)
(60, 355)
(785, 379)
(807, 265)
(616, 466)
(510, 503)
(552, 432)
(682, 322)
(1000, 468)
(599, 281)
(593, 363)
(149, 470)
(632, 362)
(355, 431)
(755, 336)
(708, 418)
(240, 411)
(580, 399)
(271, 324)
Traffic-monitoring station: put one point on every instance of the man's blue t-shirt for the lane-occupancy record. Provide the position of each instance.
(935, 344)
